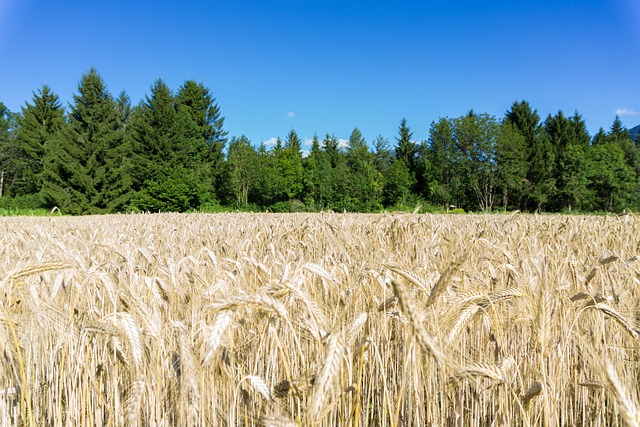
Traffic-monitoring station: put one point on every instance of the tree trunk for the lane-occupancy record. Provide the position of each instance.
(1, 182)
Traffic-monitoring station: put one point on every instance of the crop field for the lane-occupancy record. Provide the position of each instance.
(319, 320)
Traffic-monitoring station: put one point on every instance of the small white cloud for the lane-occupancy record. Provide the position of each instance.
(343, 143)
(307, 142)
(627, 112)
(290, 115)
(271, 142)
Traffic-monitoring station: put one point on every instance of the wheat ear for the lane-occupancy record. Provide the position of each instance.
(426, 342)
(628, 407)
(330, 369)
(441, 285)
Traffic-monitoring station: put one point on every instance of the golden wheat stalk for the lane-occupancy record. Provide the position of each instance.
(215, 334)
(134, 401)
(627, 406)
(426, 342)
(38, 268)
(261, 301)
(441, 285)
(481, 369)
(622, 321)
(260, 386)
(323, 388)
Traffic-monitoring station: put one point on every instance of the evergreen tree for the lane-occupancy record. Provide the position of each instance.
(397, 183)
(76, 162)
(8, 151)
(318, 177)
(570, 141)
(620, 136)
(540, 154)
(37, 126)
(444, 180)
(599, 138)
(406, 148)
(287, 174)
(331, 147)
(93, 121)
(511, 156)
(167, 175)
(365, 180)
(65, 183)
(382, 153)
(117, 189)
(611, 179)
(211, 138)
(293, 142)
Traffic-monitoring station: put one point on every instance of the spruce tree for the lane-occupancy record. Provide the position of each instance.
(443, 179)
(119, 160)
(511, 156)
(540, 154)
(167, 176)
(365, 179)
(318, 177)
(9, 153)
(382, 153)
(39, 122)
(210, 137)
(93, 121)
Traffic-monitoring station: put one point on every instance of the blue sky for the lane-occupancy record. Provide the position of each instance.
(328, 66)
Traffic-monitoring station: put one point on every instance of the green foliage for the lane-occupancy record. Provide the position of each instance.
(511, 157)
(171, 189)
(398, 182)
(318, 177)
(365, 180)
(168, 154)
(39, 123)
(475, 138)
(242, 169)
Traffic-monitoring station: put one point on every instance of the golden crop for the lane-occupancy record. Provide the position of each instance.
(319, 319)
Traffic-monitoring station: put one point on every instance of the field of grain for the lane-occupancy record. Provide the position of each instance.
(319, 320)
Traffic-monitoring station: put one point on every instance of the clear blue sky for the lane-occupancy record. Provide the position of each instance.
(328, 66)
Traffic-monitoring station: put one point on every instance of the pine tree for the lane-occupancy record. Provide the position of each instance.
(540, 154)
(332, 148)
(570, 141)
(610, 178)
(8, 151)
(318, 177)
(37, 126)
(75, 171)
(93, 121)
(397, 183)
(167, 176)
(382, 153)
(511, 155)
(289, 167)
(65, 183)
(211, 138)
(365, 179)
(119, 160)
(443, 179)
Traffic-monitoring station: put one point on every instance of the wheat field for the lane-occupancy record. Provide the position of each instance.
(319, 320)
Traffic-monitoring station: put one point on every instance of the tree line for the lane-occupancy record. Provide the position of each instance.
(171, 153)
